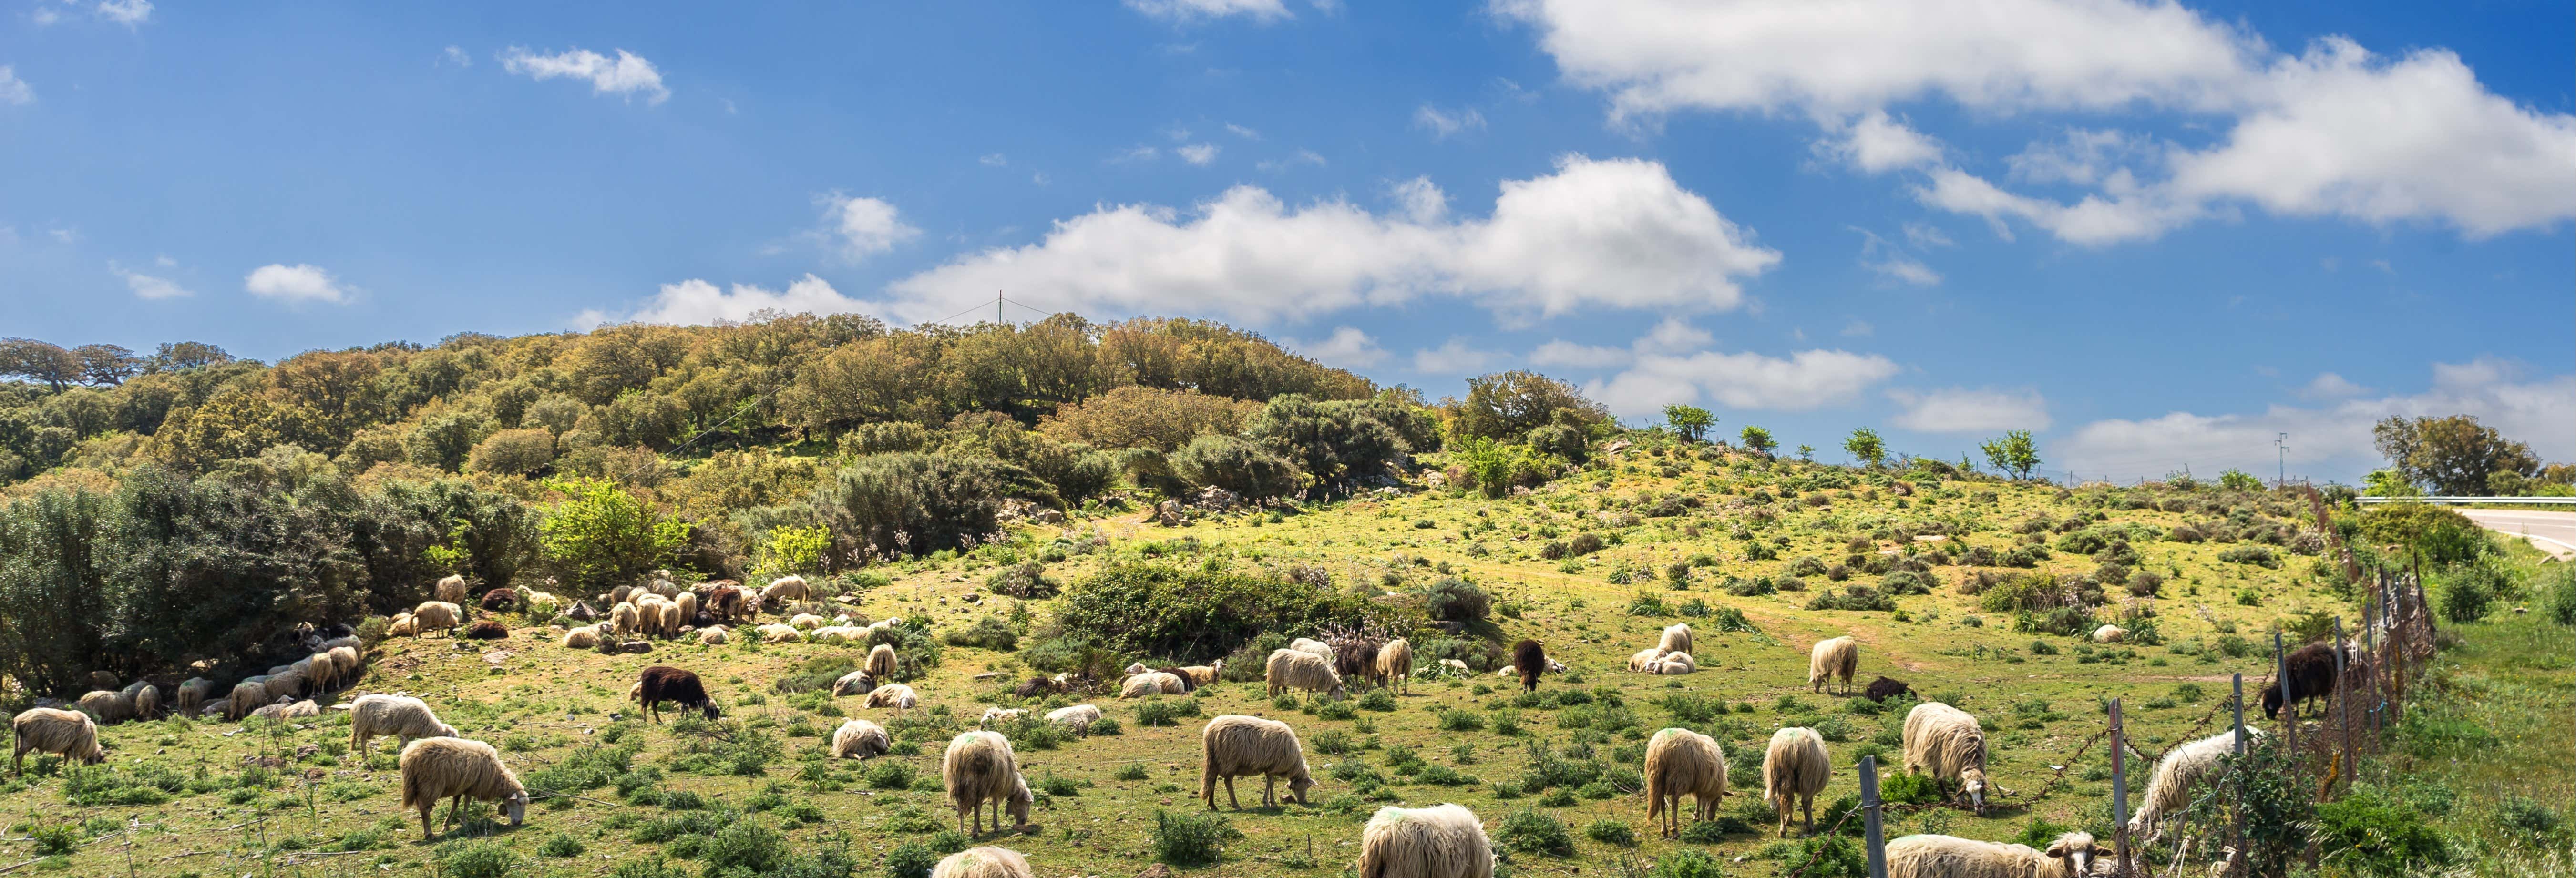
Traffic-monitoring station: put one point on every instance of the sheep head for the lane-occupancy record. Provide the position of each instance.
(1973, 781)
(516, 806)
(2272, 702)
(2077, 849)
(711, 711)
(1297, 786)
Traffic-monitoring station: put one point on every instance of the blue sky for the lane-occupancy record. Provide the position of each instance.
(2155, 234)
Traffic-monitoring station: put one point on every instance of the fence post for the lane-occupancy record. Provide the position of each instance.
(2238, 823)
(2343, 701)
(1875, 843)
(2370, 647)
(2289, 708)
(2119, 789)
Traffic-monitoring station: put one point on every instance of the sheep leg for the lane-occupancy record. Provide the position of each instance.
(1229, 793)
(424, 820)
(1269, 791)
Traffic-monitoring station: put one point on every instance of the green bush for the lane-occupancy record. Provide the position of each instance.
(2259, 556)
(1457, 600)
(601, 536)
(1204, 612)
(1235, 464)
(1611, 831)
(1825, 856)
(991, 632)
(2557, 589)
(561, 845)
(2466, 598)
(911, 859)
(1026, 580)
(1531, 831)
(476, 859)
(2373, 835)
(1686, 863)
(915, 504)
(1190, 838)
(1853, 597)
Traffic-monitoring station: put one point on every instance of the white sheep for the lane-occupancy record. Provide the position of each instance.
(347, 661)
(1201, 675)
(983, 862)
(1943, 856)
(69, 734)
(854, 683)
(402, 716)
(838, 634)
(450, 589)
(625, 618)
(248, 695)
(1682, 762)
(1439, 842)
(1076, 719)
(1840, 655)
(687, 601)
(2182, 768)
(1676, 638)
(1794, 769)
(894, 695)
(539, 604)
(1315, 647)
(1395, 664)
(999, 716)
(2110, 634)
(583, 637)
(1676, 663)
(456, 768)
(109, 707)
(1235, 746)
(784, 589)
(806, 621)
(1134, 668)
(1152, 683)
(291, 710)
(979, 768)
(1299, 669)
(1947, 743)
(437, 616)
(860, 739)
(777, 633)
(672, 618)
(191, 697)
(881, 661)
(1455, 666)
(326, 671)
(714, 635)
(1644, 661)
(402, 625)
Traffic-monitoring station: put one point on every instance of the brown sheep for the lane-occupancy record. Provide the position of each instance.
(1530, 659)
(66, 733)
(661, 683)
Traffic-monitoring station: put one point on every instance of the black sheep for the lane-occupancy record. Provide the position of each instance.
(500, 600)
(1530, 659)
(2312, 677)
(487, 630)
(662, 683)
(1355, 660)
(1036, 686)
(1884, 688)
(1187, 683)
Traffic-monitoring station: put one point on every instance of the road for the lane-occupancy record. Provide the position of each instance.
(2552, 531)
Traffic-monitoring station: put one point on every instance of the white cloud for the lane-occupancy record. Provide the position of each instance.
(1805, 380)
(1961, 410)
(148, 287)
(857, 228)
(1616, 233)
(14, 90)
(2083, 158)
(1455, 357)
(626, 75)
(1195, 10)
(1927, 237)
(455, 55)
(699, 303)
(44, 15)
(1200, 154)
(1303, 157)
(1875, 143)
(994, 160)
(295, 283)
(126, 12)
(1859, 329)
(2093, 221)
(1559, 352)
(1347, 347)
(2329, 385)
(1882, 256)
(1243, 132)
(1422, 199)
(1138, 153)
(1443, 123)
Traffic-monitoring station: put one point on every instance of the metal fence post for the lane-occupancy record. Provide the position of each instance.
(1874, 841)
(2119, 789)
(2289, 708)
(2343, 701)
(2237, 825)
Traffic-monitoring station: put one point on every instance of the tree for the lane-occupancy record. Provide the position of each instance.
(2452, 456)
(1865, 446)
(2389, 483)
(513, 452)
(1757, 440)
(181, 356)
(2239, 480)
(1689, 421)
(1336, 443)
(2015, 453)
(600, 536)
(1236, 464)
(107, 364)
(39, 361)
(1507, 405)
(1807, 453)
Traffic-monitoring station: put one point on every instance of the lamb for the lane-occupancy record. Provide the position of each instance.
(584, 637)
(1676, 638)
(1298, 669)
(1076, 719)
(2110, 634)
(983, 862)
(1529, 659)
(246, 696)
(191, 697)
(854, 683)
(777, 633)
(1394, 664)
(894, 695)
(806, 621)
(2312, 678)
(109, 707)
(714, 635)
(1795, 767)
(980, 768)
(1943, 856)
(860, 739)
(1438, 842)
(1947, 743)
(1840, 655)
(402, 716)
(2182, 768)
(1201, 675)
(1644, 661)
(1884, 688)
(1454, 666)
(994, 716)
(1152, 683)
(437, 616)
(487, 630)
(455, 768)
(1234, 746)
(661, 683)
(1683, 762)
(1676, 663)
(785, 588)
(451, 590)
(500, 600)
(69, 734)
(881, 661)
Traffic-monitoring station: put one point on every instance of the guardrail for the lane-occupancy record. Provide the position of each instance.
(2542, 501)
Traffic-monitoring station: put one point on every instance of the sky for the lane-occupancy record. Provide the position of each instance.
(2155, 235)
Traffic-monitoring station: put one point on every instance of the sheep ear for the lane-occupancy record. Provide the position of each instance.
(2057, 850)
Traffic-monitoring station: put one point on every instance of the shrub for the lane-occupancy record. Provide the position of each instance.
(1455, 720)
(990, 632)
(1584, 544)
(1611, 831)
(600, 535)
(1853, 597)
(1203, 612)
(2558, 589)
(747, 845)
(911, 859)
(2259, 556)
(1827, 856)
(2371, 834)
(2465, 598)
(1235, 464)
(476, 859)
(1905, 582)
(916, 504)
(1457, 600)
(1687, 863)
(1190, 838)
(1165, 711)
(1531, 831)
(1027, 580)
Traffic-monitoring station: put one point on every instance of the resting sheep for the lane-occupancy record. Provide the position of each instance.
(979, 768)
(983, 862)
(1884, 688)
(69, 734)
(1438, 842)
(1943, 856)
(1235, 746)
(1676, 663)
(1947, 743)
(2186, 766)
(997, 716)
(1179, 675)
(2312, 678)
(1076, 719)
(1795, 767)
(854, 683)
(399, 715)
(456, 768)
(500, 600)
(584, 637)
(1644, 661)
(806, 621)
(860, 739)
(1302, 670)
(1840, 655)
(1153, 683)
(881, 661)
(487, 630)
(714, 635)
(778, 633)
(1394, 664)
(1682, 762)
(661, 683)
(2110, 634)
(1201, 675)
(1676, 638)
(894, 695)
(1529, 660)
(290, 710)
(437, 616)
(402, 625)
(451, 590)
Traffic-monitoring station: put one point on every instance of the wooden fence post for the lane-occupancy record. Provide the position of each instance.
(2343, 701)
(2119, 789)
(2238, 823)
(2289, 708)
(1874, 842)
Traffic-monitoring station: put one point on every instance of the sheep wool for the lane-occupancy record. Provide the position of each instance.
(456, 768)
(584, 637)
(2186, 766)
(1316, 647)
(1677, 663)
(894, 695)
(1153, 683)
(437, 616)
(1529, 660)
(1943, 856)
(1302, 670)
(983, 862)
(1947, 743)
(854, 683)
(1644, 660)
(785, 588)
(1682, 762)
(1840, 655)
(714, 635)
(860, 739)
(1439, 842)
(450, 589)
(1794, 769)
(1394, 664)
(1201, 675)
(191, 697)
(806, 621)
(625, 619)
(1077, 719)
(979, 768)
(777, 633)
(2110, 634)
(108, 707)
(402, 716)
(402, 625)
(69, 734)
(147, 702)
(247, 695)
(1676, 638)
(1235, 746)
(881, 661)
(345, 661)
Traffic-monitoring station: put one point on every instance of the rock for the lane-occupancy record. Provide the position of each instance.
(1435, 479)
(1156, 870)
(1168, 513)
(1048, 516)
(581, 612)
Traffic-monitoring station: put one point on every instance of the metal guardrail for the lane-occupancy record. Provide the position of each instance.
(2541, 501)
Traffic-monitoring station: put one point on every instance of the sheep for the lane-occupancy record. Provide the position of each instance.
(191, 697)
(216, 708)
(1134, 668)
(450, 590)
(2182, 768)
(500, 600)
(1676, 638)
(1355, 660)
(894, 695)
(1201, 675)
(290, 710)
(838, 634)
(402, 625)
(1297, 669)
(1394, 664)
(1234, 746)
(455, 768)
(1529, 659)
(290, 682)
(1316, 647)
(1676, 663)
(1151, 683)
(725, 602)
(1943, 856)
(983, 862)
(1076, 719)
(541, 604)
(661, 683)
(672, 618)
(584, 637)
(1795, 767)
(147, 701)
(778, 633)
(994, 716)
(1454, 666)
(687, 601)
(402, 716)
(980, 768)
(325, 671)
(1180, 676)
(346, 662)
(624, 618)
(1682, 762)
(69, 734)
(881, 661)
(487, 630)
(246, 696)
(108, 707)
(854, 683)
(437, 616)
(1946, 742)
(807, 621)
(860, 739)
(885, 623)
(2312, 678)
(714, 635)
(2110, 634)
(1438, 842)
(1644, 660)
(1884, 688)
(785, 588)
(1840, 655)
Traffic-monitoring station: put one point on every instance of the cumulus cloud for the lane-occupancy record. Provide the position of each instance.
(1198, 10)
(148, 287)
(13, 90)
(1443, 123)
(1802, 381)
(857, 228)
(455, 55)
(1962, 410)
(1615, 233)
(1302, 157)
(1877, 143)
(126, 12)
(699, 303)
(627, 75)
(2329, 385)
(1882, 257)
(1455, 357)
(1347, 347)
(295, 284)
(1200, 154)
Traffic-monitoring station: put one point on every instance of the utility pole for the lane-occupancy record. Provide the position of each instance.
(2281, 476)
(997, 313)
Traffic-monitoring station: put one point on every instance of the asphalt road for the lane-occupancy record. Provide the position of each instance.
(2554, 532)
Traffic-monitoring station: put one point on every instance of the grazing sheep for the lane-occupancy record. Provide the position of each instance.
(1076, 719)
(725, 602)
(456, 768)
(714, 635)
(1529, 659)
(217, 708)
(1439, 842)
(246, 696)
(2312, 678)
(402, 625)
(1298, 669)
(500, 600)
(1682, 762)
(785, 589)
(289, 682)
(672, 619)
(980, 768)
(894, 695)
(807, 621)
(1394, 664)
(1795, 767)
(854, 683)
(1884, 688)
(1179, 675)
(1947, 743)
(777, 633)
(1840, 655)
(147, 701)
(325, 671)
(1316, 647)
(108, 707)
(1676, 663)
(1034, 687)
(191, 697)
(1201, 675)
(104, 680)
(346, 660)
(983, 862)
(2184, 767)
(1644, 660)
(487, 630)
(584, 637)
(661, 683)
(881, 661)
(994, 716)
(1943, 856)
(402, 716)
(1235, 746)
(1676, 638)
(450, 590)
(437, 616)
(2110, 634)
(1153, 683)
(1355, 660)
(687, 601)
(69, 734)
(1454, 666)
(860, 739)
(625, 619)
